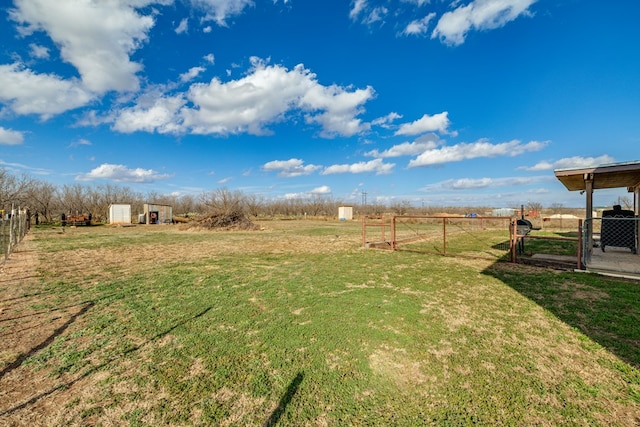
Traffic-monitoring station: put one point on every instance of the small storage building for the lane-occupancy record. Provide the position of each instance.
(119, 214)
(158, 214)
(345, 213)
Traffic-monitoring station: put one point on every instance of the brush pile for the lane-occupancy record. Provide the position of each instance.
(224, 220)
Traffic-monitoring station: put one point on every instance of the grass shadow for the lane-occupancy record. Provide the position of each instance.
(45, 343)
(102, 365)
(285, 400)
(604, 309)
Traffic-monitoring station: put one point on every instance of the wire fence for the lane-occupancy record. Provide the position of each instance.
(14, 225)
(484, 237)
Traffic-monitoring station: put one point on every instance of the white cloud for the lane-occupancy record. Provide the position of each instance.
(478, 15)
(322, 190)
(570, 162)
(10, 137)
(121, 173)
(464, 184)
(20, 166)
(422, 144)
(467, 183)
(360, 10)
(183, 27)
(79, 142)
(377, 166)
(44, 94)
(290, 168)
(419, 26)
(335, 109)
(209, 58)
(376, 15)
(482, 148)
(191, 74)
(95, 37)
(220, 11)
(37, 51)
(358, 7)
(385, 122)
(418, 3)
(265, 96)
(436, 123)
(152, 113)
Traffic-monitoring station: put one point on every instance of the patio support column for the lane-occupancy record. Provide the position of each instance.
(588, 183)
(636, 208)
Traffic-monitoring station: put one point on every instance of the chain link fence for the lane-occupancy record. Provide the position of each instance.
(611, 243)
(14, 225)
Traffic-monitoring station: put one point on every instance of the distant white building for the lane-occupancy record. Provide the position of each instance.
(119, 214)
(345, 213)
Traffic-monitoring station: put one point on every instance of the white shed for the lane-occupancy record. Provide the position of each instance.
(119, 214)
(345, 213)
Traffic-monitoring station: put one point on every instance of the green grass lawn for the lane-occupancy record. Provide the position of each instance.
(553, 245)
(297, 325)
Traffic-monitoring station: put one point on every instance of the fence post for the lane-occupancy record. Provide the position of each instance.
(393, 233)
(20, 227)
(3, 237)
(444, 235)
(512, 239)
(11, 232)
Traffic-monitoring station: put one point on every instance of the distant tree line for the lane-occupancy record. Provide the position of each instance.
(51, 201)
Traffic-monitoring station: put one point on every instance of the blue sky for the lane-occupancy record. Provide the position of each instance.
(436, 102)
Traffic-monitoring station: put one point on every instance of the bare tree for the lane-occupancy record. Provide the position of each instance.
(224, 201)
(74, 199)
(534, 208)
(254, 204)
(41, 198)
(13, 189)
(186, 204)
(556, 207)
(401, 208)
(625, 202)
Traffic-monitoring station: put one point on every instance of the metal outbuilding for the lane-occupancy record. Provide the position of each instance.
(157, 214)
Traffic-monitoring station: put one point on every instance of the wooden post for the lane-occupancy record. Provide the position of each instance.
(588, 182)
(513, 239)
(393, 233)
(444, 235)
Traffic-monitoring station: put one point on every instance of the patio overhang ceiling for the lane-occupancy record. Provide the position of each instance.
(615, 175)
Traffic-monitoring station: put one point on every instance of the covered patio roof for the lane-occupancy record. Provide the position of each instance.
(613, 175)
